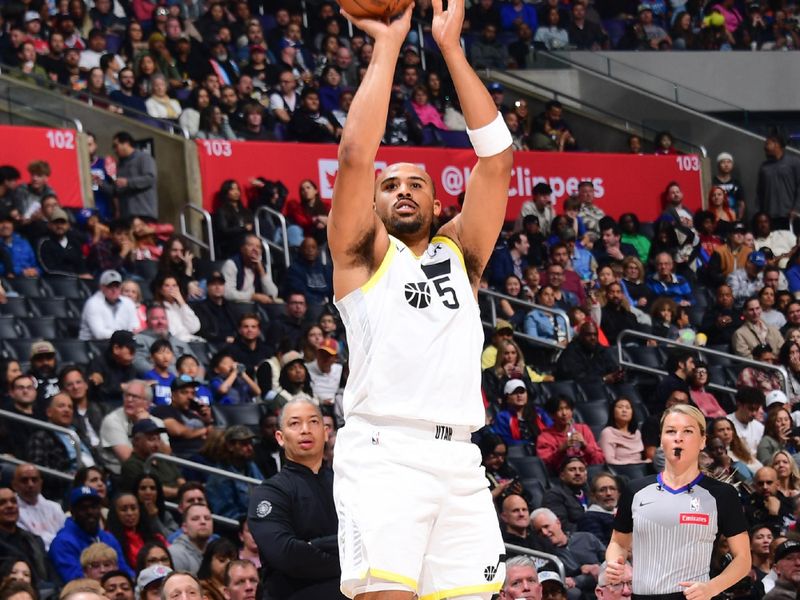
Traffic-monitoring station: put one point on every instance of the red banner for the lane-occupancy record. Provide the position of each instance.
(622, 182)
(59, 147)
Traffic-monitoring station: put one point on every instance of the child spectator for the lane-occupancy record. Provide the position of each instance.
(188, 365)
(162, 355)
(231, 384)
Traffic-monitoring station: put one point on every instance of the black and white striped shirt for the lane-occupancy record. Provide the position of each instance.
(674, 529)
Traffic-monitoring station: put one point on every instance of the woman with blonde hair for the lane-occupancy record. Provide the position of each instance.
(661, 529)
(788, 473)
(722, 428)
(509, 364)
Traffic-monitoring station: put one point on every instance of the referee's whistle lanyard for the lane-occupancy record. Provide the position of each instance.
(662, 486)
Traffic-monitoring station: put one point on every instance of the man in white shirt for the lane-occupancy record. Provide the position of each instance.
(326, 376)
(749, 401)
(37, 514)
(107, 310)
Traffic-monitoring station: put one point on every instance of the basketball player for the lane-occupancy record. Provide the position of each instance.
(415, 514)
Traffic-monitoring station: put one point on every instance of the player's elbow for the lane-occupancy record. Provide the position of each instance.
(500, 163)
(353, 154)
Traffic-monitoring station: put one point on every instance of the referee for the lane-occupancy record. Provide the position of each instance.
(672, 519)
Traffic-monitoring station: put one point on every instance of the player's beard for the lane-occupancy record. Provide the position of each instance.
(399, 227)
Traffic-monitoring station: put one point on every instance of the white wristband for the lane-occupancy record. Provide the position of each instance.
(490, 139)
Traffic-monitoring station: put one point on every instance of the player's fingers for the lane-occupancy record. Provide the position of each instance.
(437, 7)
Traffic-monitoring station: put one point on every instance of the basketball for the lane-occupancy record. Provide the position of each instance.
(375, 9)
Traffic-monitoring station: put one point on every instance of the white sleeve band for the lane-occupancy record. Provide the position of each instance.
(491, 139)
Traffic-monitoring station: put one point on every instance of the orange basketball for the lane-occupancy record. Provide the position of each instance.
(375, 9)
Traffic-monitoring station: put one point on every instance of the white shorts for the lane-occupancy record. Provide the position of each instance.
(415, 512)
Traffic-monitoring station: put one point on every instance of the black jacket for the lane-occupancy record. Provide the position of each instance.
(217, 321)
(566, 506)
(114, 375)
(57, 260)
(293, 520)
(583, 365)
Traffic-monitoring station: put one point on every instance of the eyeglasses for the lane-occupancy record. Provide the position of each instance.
(153, 560)
(617, 587)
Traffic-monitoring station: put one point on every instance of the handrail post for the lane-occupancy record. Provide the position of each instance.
(530, 305)
(538, 554)
(71, 434)
(206, 216)
(148, 465)
(274, 214)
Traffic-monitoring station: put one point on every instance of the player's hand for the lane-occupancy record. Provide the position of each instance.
(696, 590)
(447, 24)
(615, 571)
(394, 31)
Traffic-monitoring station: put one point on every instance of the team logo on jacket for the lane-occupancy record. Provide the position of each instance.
(418, 294)
(263, 509)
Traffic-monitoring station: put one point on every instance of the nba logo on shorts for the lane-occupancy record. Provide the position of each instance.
(376, 438)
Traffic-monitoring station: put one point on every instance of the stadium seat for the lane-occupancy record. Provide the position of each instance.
(16, 306)
(566, 388)
(53, 306)
(535, 489)
(146, 270)
(19, 348)
(30, 287)
(10, 328)
(630, 472)
(646, 356)
(594, 391)
(519, 451)
(716, 374)
(201, 351)
(226, 415)
(531, 467)
(594, 414)
(69, 287)
(40, 327)
(713, 359)
(73, 351)
(68, 327)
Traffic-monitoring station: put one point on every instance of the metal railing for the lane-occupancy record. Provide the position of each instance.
(537, 554)
(699, 350)
(44, 470)
(271, 213)
(190, 464)
(90, 99)
(208, 246)
(72, 435)
(214, 517)
(267, 257)
(557, 312)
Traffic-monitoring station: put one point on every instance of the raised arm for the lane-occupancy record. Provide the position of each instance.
(477, 227)
(357, 239)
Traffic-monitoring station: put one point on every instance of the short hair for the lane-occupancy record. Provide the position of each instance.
(514, 238)
(572, 203)
(124, 137)
(599, 476)
(520, 561)
(771, 269)
(558, 246)
(553, 402)
(81, 586)
(248, 315)
(678, 356)
(163, 594)
(96, 552)
(39, 167)
(12, 588)
(62, 374)
(190, 507)
(751, 299)
(544, 511)
(188, 487)
(160, 344)
(585, 183)
(553, 104)
(148, 389)
(750, 395)
(236, 563)
(116, 573)
(690, 411)
(183, 358)
(613, 227)
(294, 401)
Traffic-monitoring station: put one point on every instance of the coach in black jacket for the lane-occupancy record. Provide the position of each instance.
(292, 516)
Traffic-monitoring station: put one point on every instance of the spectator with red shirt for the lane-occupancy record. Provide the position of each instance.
(566, 438)
(308, 215)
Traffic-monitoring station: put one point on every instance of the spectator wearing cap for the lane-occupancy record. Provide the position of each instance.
(146, 441)
(44, 369)
(646, 34)
(565, 438)
(57, 253)
(552, 586)
(135, 186)
(229, 497)
(188, 423)
(217, 315)
(541, 206)
(80, 531)
(149, 582)
(326, 374)
(112, 368)
(488, 52)
(55, 449)
(21, 258)
(787, 566)
(518, 422)
(782, 242)
(754, 331)
(294, 382)
(308, 275)
(107, 311)
(728, 257)
(724, 179)
(581, 552)
(503, 331)
(17, 543)
(568, 497)
(230, 383)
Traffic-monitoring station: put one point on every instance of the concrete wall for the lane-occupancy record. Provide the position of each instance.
(754, 81)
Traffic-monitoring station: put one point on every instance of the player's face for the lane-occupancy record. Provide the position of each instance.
(404, 199)
(683, 432)
(521, 582)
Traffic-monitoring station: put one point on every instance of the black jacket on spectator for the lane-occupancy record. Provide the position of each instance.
(250, 358)
(229, 224)
(565, 504)
(718, 335)
(757, 513)
(305, 128)
(531, 541)
(217, 321)
(298, 534)
(616, 320)
(114, 375)
(30, 547)
(285, 327)
(585, 366)
(56, 259)
(585, 38)
(598, 522)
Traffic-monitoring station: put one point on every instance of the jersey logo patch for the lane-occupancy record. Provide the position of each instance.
(490, 572)
(694, 505)
(263, 509)
(693, 519)
(418, 294)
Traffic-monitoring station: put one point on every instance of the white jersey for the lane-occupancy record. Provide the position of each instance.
(415, 338)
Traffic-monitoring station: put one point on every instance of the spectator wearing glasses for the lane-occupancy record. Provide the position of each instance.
(229, 497)
(614, 591)
(522, 580)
